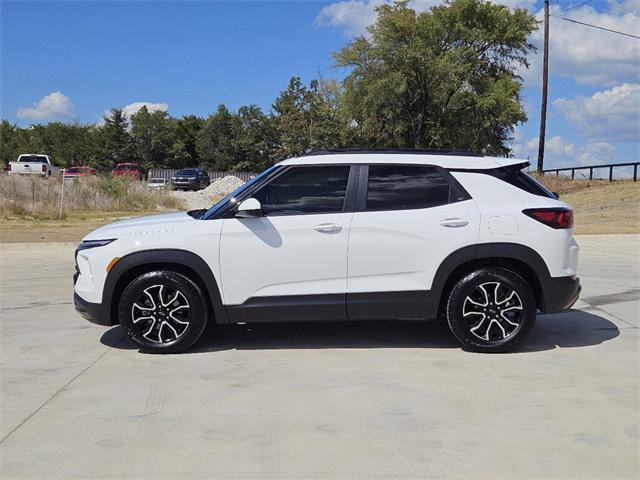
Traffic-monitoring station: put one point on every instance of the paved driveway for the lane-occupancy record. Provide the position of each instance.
(387, 400)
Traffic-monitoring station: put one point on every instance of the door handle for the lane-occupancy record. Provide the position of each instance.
(454, 222)
(327, 228)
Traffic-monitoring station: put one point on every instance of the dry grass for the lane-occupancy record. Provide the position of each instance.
(563, 185)
(607, 208)
(24, 197)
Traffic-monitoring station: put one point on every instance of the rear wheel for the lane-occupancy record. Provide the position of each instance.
(163, 312)
(491, 310)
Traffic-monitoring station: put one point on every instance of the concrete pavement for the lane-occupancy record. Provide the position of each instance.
(335, 401)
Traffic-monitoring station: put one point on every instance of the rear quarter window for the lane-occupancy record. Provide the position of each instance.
(518, 178)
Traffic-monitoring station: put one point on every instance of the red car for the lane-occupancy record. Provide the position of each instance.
(130, 169)
(76, 172)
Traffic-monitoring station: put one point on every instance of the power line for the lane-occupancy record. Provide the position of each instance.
(572, 7)
(598, 27)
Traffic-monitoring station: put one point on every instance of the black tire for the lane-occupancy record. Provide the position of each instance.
(490, 328)
(154, 322)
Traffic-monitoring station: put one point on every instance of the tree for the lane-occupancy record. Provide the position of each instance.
(216, 145)
(306, 118)
(184, 150)
(153, 137)
(257, 139)
(115, 144)
(444, 78)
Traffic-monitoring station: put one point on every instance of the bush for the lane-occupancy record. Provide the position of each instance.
(38, 198)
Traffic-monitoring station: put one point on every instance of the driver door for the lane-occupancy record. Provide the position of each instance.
(290, 263)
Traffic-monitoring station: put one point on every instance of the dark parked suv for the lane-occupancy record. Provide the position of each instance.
(190, 179)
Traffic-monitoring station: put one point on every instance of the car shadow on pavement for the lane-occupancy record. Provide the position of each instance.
(575, 328)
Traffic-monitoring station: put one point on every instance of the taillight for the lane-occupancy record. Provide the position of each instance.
(44, 168)
(552, 217)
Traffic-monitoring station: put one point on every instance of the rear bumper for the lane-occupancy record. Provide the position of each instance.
(560, 293)
(94, 312)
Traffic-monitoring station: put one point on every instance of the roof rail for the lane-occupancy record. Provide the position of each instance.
(413, 151)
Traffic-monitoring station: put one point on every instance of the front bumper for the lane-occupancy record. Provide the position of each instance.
(560, 293)
(94, 312)
(185, 183)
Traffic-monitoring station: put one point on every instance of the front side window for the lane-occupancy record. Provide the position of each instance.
(404, 187)
(305, 190)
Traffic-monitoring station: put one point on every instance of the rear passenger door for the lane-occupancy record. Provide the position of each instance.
(408, 218)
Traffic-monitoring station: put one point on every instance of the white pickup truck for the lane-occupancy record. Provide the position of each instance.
(34, 164)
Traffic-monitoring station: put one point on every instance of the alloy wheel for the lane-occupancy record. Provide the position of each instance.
(161, 314)
(493, 310)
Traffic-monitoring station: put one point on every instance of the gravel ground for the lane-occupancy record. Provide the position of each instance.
(208, 196)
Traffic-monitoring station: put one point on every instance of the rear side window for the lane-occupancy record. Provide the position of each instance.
(305, 190)
(404, 187)
(515, 176)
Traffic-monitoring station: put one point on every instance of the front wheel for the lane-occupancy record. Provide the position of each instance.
(163, 312)
(491, 310)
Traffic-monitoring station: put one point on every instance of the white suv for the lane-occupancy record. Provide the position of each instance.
(343, 235)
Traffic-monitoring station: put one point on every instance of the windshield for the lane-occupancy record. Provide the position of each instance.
(73, 170)
(184, 173)
(218, 206)
(33, 158)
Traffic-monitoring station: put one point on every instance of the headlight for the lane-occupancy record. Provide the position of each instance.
(94, 243)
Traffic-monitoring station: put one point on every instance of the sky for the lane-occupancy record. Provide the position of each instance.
(72, 61)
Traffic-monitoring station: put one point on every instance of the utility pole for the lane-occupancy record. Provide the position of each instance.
(545, 80)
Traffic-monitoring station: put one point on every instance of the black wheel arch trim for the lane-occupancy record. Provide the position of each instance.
(550, 299)
(165, 256)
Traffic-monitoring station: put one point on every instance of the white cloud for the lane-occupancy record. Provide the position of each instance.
(132, 108)
(587, 55)
(624, 6)
(559, 152)
(354, 16)
(612, 115)
(54, 106)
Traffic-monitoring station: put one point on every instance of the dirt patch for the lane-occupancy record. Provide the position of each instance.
(69, 230)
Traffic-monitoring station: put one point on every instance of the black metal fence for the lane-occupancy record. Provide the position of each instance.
(610, 166)
(167, 173)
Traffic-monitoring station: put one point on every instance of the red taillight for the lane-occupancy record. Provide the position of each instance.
(552, 217)
(44, 168)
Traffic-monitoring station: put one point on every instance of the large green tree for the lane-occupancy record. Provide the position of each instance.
(443, 78)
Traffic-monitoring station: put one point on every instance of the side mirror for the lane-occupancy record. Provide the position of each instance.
(556, 194)
(249, 208)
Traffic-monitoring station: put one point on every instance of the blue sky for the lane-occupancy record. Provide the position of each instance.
(71, 61)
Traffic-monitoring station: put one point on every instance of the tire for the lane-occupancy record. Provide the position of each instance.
(163, 312)
(491, 310)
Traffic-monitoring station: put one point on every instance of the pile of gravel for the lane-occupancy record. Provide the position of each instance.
(223, 185)
(208, 196)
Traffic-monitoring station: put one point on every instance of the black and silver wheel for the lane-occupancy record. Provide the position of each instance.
(491, 310)
(163, 311)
